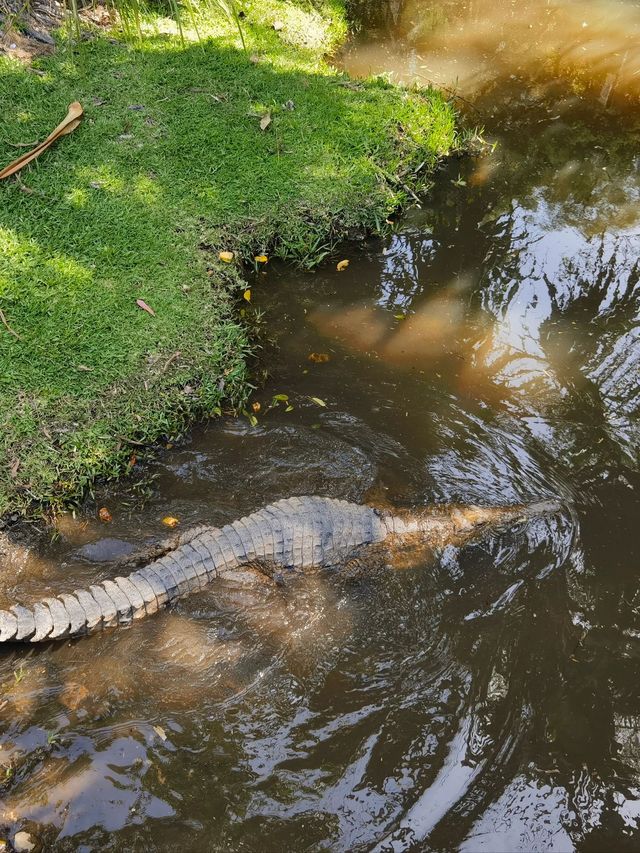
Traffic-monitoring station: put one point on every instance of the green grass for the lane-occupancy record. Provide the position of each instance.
(168, 167)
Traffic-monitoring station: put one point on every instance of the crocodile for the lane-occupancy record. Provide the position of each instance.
(291, 534)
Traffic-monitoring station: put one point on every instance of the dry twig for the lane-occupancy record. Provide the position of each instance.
(5, 323)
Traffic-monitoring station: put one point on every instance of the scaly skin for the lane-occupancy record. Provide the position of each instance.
(295, 533)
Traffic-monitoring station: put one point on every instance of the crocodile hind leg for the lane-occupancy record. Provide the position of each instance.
(409, 554)
(371, 561)
(256, 572)
(271, 571)
(364, 563)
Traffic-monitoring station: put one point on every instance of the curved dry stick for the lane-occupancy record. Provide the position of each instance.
(67, 125)
(5, 323)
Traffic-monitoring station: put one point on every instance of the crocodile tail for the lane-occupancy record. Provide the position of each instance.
(113, 602)
(282, 532)
(122, 600)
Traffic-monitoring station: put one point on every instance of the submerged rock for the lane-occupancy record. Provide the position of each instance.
(23, 842)
(105, 550)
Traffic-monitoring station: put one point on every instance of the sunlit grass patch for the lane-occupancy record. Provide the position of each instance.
(169, 166)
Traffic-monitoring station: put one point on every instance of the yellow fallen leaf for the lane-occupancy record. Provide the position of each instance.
(342, 265)
(261, 259)
(170, 521)
(160, 732)
(256, 406)
(247, 295)
(318, 401)
(318, 357)
(227, 257)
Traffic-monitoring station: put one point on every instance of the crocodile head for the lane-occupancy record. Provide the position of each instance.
(444, 524)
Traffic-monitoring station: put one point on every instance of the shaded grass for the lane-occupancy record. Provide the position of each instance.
(168, 167)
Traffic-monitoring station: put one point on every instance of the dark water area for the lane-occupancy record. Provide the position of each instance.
(486, 350)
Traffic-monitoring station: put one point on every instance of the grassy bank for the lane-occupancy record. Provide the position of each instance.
(169, 166)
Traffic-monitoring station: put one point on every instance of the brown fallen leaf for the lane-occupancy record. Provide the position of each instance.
(104, 515)
(342, 265)
(73, 695)
(142, 304)
(170, 521)
(256, 406)
(14, 468)
(265, 121)
(318, 357)
(227, 257)
(67, 125)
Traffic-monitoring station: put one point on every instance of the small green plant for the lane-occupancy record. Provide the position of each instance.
(19, 673)
(231, 11)
(131, 14)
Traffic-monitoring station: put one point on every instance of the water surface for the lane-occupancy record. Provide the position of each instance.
(485, 350)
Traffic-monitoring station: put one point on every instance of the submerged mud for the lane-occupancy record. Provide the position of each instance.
(484, 351)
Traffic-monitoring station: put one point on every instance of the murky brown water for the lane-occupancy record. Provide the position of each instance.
(486, 351)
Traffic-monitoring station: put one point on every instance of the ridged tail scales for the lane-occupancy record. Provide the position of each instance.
(293, 533)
